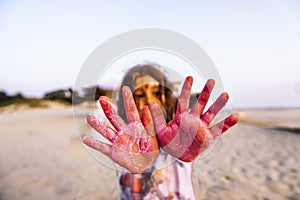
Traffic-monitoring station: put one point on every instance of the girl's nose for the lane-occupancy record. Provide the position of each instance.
(149, 98)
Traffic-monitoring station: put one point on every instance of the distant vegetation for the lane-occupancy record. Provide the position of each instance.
(64, 96)
(6, 100)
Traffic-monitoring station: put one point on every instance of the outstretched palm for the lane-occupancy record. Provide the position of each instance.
(189, 133)
(134, 144)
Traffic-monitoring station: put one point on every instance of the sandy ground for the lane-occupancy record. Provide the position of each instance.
(41, 157)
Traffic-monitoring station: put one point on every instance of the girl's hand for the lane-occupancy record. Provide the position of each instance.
(190, 133)
(134, 144)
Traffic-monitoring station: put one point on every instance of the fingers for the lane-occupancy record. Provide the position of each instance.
(184, 98)
(111, 114)
(224, 125)
(101, 128)
(213, 110)
(157, 116)
(97, 145)
(148, 121)
(203, 98)
(132, 113)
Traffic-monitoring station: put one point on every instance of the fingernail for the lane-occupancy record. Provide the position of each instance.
(190, 79)
(103, 101)
(225, 95)
(210, 84)
(91, 119)
(85, 139)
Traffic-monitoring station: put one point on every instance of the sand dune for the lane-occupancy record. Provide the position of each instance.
(42, 157)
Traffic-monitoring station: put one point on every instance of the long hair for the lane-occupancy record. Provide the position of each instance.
(167, 98)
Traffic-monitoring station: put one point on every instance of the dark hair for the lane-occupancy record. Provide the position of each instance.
(168, 100)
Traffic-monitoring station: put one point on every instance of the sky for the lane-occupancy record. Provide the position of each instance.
(255, 45)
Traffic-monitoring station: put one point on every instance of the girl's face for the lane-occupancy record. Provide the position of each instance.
(146, 90)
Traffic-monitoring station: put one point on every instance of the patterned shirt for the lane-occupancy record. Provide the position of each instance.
(171, 182)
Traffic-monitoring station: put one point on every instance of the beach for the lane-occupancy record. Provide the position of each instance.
(42, 157)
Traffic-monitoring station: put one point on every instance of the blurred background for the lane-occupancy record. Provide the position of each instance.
(254, 45)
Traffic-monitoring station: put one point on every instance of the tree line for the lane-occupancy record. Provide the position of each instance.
(68, 96)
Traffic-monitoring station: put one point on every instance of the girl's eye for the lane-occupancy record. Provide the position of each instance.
(139, 95)
(157, 93)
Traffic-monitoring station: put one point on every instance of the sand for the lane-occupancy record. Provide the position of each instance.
(42, 157)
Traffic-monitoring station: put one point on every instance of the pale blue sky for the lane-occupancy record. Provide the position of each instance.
(255, 45)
